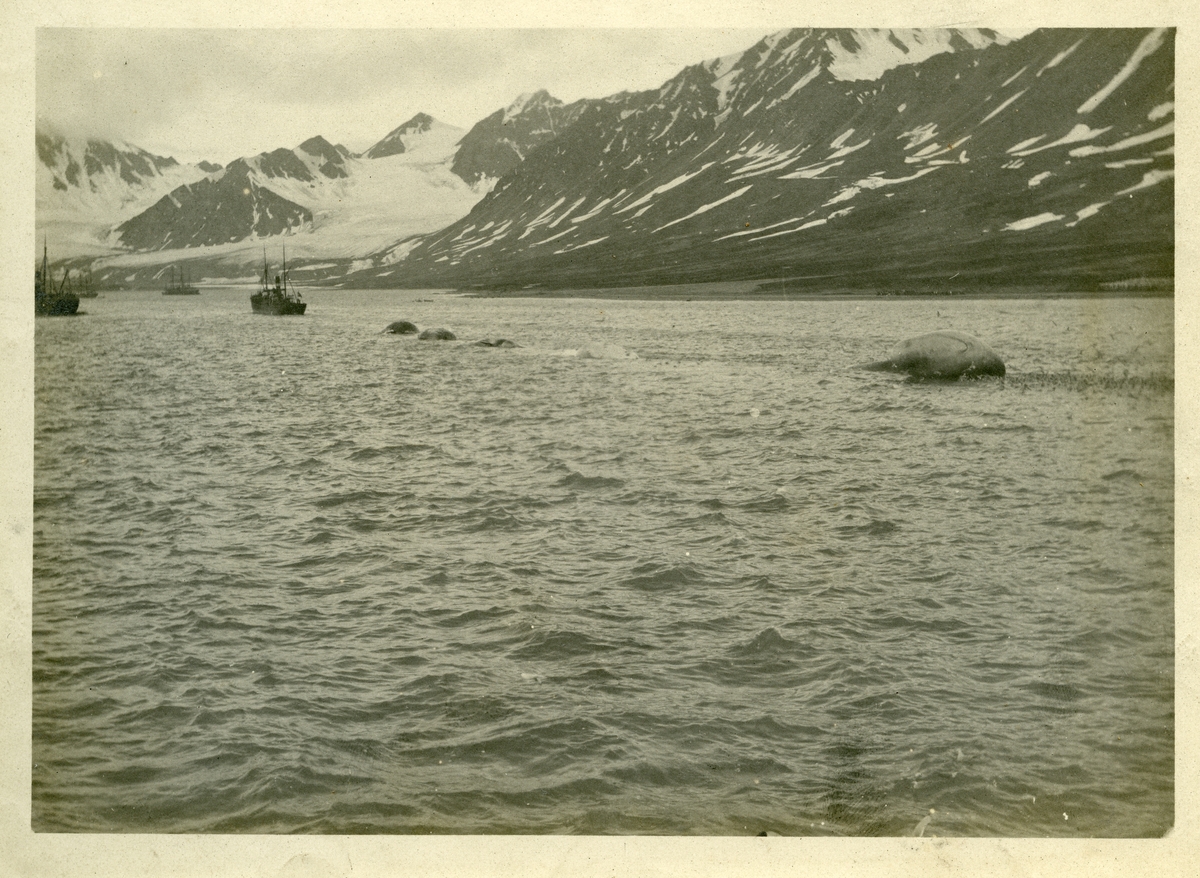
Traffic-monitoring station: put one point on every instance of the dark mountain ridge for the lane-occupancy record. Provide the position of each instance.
(499, 143)
(232, 204)
(227, 205)
(1047, 160)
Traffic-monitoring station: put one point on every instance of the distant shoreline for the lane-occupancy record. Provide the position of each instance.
(756, 291)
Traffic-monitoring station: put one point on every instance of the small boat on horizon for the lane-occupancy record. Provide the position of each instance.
(180, 288)
(87, 287)
(48, 299)
(280, 298)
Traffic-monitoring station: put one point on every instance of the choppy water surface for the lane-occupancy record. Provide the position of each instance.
(294, 575)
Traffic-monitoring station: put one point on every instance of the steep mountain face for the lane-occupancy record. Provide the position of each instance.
(843, 157)
(499, 143)
(85, 186)
(331, 162)
(228, 205)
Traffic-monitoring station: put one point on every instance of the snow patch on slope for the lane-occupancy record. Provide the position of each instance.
(1090, 210)
(658, 190)
(796, 86)
(724, 84)
(1161, 111)
(1031, 222)
(1012, 78)
(1060, 57)
(1150, 178)
(811, 172)
(571, 247)
(707, 207)
(1000, 108)
(1075, 135)
(1147, 47)
(919, 135)
(807, 225)
(1167, 130)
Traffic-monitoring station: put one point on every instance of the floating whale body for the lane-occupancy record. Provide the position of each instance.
(437, 335)
(496, 343)
(945, 356)
(401, 327)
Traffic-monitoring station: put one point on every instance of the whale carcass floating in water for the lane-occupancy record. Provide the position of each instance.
(945, 355)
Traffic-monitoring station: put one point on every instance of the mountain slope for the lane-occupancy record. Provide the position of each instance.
(335, 205)
(831, 155)
(499, 143)
(402, 138)
(229, 205)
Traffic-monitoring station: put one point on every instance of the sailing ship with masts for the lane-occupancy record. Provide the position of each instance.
(49, 298)
(279, 298)
(179, 287)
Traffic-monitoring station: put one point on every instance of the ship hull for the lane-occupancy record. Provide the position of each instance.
(50, 299)
(276, 306)
(56, 306)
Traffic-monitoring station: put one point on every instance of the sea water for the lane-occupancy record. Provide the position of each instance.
(294, 575)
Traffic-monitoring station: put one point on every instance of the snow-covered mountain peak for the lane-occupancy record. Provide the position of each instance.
(434, 142)
(853, 54)
(78, 142)
(85, 184)
(422, 134)
(798, 56)
(519, 105)
(867, 53)
(500, 142)
(535, 100)
(59, 152)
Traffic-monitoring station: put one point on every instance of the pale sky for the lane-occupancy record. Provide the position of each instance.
(221, 94)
